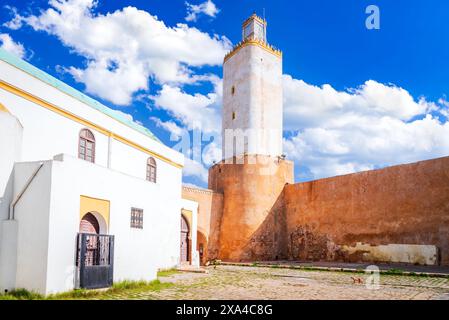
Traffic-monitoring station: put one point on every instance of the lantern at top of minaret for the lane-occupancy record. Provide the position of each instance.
(255, 28)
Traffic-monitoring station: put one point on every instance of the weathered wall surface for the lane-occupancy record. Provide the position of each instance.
(252, 203)
(210, 209)
(372, 215)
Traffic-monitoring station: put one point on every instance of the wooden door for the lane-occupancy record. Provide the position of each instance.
(184, 240)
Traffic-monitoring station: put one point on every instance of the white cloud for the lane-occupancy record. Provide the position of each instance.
(307, 105)
(212, 153)
(126, 47)
(124, 115)
(169, 126)
(199, 112)
(195, 111)
(444, 107)
(195, 169)
(444, 102)
(8, 44)
(16, 22)
(374, 125)
(207, 8)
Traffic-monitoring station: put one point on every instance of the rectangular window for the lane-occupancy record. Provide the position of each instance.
(136, 218)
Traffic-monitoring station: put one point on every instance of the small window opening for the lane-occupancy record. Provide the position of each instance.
(136, 218)
(151, 170)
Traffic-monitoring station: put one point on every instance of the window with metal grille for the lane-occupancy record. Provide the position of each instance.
(151, 170)
(86, 146)
(136, 218)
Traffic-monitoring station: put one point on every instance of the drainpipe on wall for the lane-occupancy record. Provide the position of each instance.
(13, 204)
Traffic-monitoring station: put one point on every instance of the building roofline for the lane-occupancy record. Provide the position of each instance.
(199, 190)
(72, 92)
(371, 171)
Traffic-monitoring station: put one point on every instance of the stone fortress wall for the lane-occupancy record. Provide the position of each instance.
(396, 214)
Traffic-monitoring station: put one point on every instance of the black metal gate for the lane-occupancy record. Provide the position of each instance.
(95, 260)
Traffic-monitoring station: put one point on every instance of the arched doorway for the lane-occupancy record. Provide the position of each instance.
(89, 224)
(95, 252)
(185, 232)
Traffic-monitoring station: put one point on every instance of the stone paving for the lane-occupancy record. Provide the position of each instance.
(248, 283)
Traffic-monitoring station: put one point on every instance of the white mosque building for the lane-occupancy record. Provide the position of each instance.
(87, 197)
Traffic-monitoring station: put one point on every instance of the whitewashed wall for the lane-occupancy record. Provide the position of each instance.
(10, 149)
(48, 217)
(11, 143)
(256, 76)
(32, 214)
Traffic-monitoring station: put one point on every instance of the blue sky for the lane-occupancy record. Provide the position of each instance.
(355, 99)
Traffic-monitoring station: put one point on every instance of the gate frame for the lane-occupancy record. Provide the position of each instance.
(81, 260)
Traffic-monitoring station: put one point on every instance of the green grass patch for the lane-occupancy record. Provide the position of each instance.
(167, 273)
(129, 285)
(77, 294)
(118, 288)
(394, 271)
(21, 294)
(82, 294)
(155, 285)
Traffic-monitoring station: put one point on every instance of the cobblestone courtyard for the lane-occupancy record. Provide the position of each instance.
(247, 283)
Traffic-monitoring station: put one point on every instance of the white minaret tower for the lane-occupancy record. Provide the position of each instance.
(252, 95)
(253, 173)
